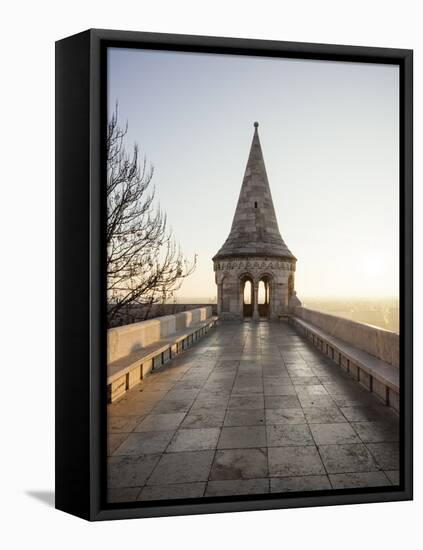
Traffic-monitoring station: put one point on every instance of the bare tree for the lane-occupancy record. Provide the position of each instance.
(144, 264)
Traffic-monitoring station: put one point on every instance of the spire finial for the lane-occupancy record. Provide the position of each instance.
(256, 124)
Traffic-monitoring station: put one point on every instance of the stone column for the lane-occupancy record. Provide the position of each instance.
(256, 316)
(219, 298)
(241, 299)
(269, 308)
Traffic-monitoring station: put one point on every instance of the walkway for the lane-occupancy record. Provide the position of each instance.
(252, 408)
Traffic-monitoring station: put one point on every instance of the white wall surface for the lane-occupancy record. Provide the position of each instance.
(29, 30)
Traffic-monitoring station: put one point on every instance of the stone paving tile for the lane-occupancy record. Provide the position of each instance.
(300, 483)
(362, 414)
(186, 467)
(147, 400)
(144, 443)
(279, 389)
(160, 422)
(393, 476)
(160, 386)
(242, 437)
(281, 402)
(251, 378)
(254, 386)
(364, 400)
(247, 390)
(273, 362)
(386, 454)
(227, 364)
(126, 408)
(237, 487)
(285, 416)
(311, 390)
(127, 471)
(343, 388)
(220, 397)
(328, 377)
(114, 441)
(281, 435)
(197, 439)
(215, 401)
(124, 494)
(239, 464)
(376, 432)
(172, 491)
(121, 424)
(218, 387)
(305, 380)
(361, 479)
(188, 385)
(195, 376)
(299, 371)
(273, 380)
(317, 401)
(205, 417)
(176, 395)
(166, 407)
(316, 415)
(347, 458)
(336, 433)
(246, 402)
(294, 461)
(244, 417)
(223, 378)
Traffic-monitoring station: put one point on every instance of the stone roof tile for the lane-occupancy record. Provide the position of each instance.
(255, 228)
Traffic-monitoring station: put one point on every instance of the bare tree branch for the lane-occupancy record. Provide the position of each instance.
(144, 264)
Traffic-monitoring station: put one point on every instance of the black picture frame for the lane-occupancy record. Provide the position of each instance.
(80, 278)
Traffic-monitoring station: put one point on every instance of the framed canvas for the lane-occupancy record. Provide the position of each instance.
(234, 274)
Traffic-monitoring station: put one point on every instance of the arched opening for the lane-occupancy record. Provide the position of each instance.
(247, 297)
(264, 297)
(261, 293)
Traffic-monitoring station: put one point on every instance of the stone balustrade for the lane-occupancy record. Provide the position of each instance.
(369, 354)
(136, 349)
(122, 341)
(378, 342)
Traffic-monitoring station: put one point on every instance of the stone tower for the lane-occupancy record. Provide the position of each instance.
(254, 255)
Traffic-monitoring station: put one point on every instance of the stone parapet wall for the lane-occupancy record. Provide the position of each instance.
(135, 313)
(124, 340)
(378, 342)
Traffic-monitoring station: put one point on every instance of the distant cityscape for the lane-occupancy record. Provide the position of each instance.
(383, 313)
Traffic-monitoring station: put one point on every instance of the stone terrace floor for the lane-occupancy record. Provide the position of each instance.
(251, 408)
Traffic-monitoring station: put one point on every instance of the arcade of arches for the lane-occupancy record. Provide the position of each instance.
(255, 297)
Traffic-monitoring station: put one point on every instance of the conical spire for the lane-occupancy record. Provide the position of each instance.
(254, 228)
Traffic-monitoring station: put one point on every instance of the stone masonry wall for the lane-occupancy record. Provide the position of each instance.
(380, 343)
(230, 273)
(122, 341)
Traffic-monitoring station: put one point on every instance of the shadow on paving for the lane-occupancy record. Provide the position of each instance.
(253, 408)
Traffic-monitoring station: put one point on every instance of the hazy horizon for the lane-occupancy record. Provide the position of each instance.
(329, 133)
(185, 298)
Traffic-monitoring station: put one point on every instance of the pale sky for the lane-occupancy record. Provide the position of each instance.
(329, 134)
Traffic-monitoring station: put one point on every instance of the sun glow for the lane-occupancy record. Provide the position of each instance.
(373, 266)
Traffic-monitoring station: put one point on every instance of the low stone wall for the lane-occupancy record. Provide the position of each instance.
(122, 341)
(378, 342)
(137, 313)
